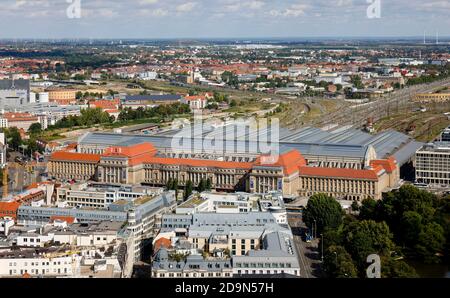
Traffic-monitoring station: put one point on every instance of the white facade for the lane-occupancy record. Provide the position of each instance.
(6, 224)
(433, 164)
(16, 266)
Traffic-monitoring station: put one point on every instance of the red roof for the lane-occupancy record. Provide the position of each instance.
(9, 209)
(199, 163)
(194, 97)
(68, 219)
(339, 173)
(289, 161)
(69, 156)
(131, 151)
(162, 242)
(389, 164)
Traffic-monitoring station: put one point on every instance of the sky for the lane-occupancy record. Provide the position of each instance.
(156, 19)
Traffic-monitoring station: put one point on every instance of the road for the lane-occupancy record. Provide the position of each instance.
(307, 252)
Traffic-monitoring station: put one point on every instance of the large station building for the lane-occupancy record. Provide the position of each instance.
(345, 171)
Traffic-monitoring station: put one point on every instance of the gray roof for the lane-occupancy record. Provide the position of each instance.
(344, 142)
(168, 97)
(15, 84)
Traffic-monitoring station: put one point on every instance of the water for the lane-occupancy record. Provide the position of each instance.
(431, 270)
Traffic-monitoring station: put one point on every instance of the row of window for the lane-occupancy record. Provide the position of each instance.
(263, 265)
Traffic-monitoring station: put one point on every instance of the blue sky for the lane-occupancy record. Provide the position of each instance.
(222, 18)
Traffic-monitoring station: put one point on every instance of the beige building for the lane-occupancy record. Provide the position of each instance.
(432, 97)
(289, 174)
(62, 96)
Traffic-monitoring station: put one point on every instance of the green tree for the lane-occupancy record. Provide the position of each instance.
(430, 242)
(208, 184)
(367, 209)
(188, 189)
(391, 268)
(338, 263)
(355, 206)
(203, 185)
(366, 237)
(35, 128)
(411, 226)
(323, 212)
(13, 137)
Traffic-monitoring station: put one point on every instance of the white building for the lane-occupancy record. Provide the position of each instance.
(432, 164)
(6, 223)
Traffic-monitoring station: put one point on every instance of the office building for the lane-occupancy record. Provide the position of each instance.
(433, 164)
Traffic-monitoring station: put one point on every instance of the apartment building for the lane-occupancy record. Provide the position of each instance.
(432, 164)
(235, 244)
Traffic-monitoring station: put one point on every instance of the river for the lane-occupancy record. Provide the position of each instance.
(431, 270)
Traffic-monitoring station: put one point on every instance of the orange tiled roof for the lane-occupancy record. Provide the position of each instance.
(289, 161)
(9, 209)
(199, 162)
(68, 219)
(162, 242)
(69, 156)
(389, 164)
(131, 151)
(194, 97)
(339, 173)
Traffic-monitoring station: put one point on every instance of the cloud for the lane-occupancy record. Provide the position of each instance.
(295, 10)
(145, 2)
(243, 17)
(186, 7)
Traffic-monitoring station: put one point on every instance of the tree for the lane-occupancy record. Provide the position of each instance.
(367, 209)
(208, 184)
(338, 263)
(411, 226)
(169, 184)
(357, 82)
(430, 242)
(188, 190)
(366, 237)
(355, 206)
(233, 103)
(322, 212)
(201, 185)
(391, 268)
(35, 128)
(13, 137)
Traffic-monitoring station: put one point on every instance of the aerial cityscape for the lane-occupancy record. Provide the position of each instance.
(201, 155)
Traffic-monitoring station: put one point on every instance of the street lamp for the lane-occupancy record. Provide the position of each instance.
(335, 253)
(321, 236)
(314, 227)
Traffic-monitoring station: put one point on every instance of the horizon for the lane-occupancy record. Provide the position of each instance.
(223, 19)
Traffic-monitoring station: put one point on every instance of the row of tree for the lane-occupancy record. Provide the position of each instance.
(204, 184)
(88, 117)
(408, 222)
(158, 111)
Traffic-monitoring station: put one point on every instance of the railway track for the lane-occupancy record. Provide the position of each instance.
(357, 115)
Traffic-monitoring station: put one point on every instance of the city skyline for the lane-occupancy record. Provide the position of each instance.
(155, 19)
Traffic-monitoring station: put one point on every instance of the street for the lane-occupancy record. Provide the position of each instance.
(308, 253)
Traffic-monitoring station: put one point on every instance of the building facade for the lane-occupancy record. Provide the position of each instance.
(290, 173)
(432, 164)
